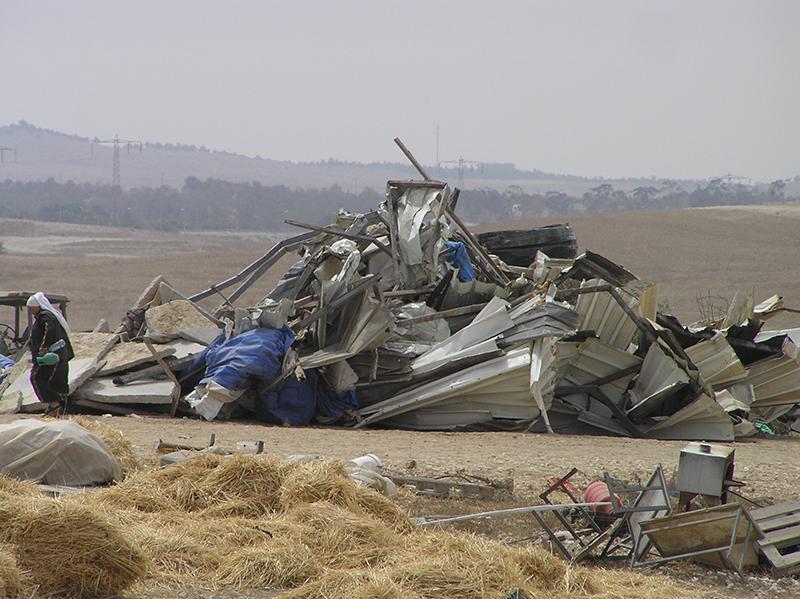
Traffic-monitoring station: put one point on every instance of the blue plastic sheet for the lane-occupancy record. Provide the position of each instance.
(457, 256)
(298, 402)
(5, 362)
(252, 357)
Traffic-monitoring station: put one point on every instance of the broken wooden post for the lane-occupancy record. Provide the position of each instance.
(169, 374)
(411, 158)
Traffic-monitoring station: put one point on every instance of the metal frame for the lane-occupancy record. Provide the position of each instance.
(724, 552)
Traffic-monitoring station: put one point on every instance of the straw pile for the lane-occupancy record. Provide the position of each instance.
(69, 549)
(256, 521)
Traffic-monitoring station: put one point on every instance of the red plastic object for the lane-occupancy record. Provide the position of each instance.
(596, 492)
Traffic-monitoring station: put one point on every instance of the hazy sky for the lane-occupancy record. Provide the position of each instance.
(678, 89)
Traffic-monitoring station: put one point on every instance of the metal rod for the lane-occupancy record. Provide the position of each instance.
(514, 511)
(354, 236)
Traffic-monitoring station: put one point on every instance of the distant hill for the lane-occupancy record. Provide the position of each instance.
(43, 154)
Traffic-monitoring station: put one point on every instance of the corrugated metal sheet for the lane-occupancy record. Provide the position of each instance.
(506, 374)
(717, 362)
(776, 381)
(583, 363)
(603, 315)
(702, 419)
(659, 378)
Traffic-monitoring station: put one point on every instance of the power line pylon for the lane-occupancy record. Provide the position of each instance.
(115, 143)
(5, 149)
(461, 164)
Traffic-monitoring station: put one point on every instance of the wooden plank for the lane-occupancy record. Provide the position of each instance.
(783, 564)
(444, 488)
(778, 522)
(287, 245)
(422, 184)
(783, 537)
(779, 509)
(471, 309)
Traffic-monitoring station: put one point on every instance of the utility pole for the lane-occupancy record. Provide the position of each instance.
(437, 146)
(4, 149)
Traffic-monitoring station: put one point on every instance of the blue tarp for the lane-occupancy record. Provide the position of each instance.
(254, 359)
(5, 362)
(298, 402)
(251, 357)
(457, 256)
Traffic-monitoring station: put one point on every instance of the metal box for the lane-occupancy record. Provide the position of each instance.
(703, 469)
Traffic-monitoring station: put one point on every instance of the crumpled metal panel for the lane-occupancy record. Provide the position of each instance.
(508, 373)
(603, 315)
(717, 362)
(776, 381)
(660, 377)
(584, 362)
(548, 319)
(702, 419)
(475, 339)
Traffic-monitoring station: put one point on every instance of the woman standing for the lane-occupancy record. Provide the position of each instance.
(51, 351)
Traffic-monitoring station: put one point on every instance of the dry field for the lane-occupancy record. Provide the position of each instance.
(686, 253)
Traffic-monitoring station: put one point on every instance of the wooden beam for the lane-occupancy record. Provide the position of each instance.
(411, 158)
(500, 278)
(169, 374)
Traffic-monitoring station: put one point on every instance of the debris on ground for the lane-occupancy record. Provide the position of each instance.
(402, 317)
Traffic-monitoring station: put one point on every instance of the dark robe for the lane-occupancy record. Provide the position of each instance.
(50, 382)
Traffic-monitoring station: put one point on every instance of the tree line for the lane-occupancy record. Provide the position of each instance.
(215, 204)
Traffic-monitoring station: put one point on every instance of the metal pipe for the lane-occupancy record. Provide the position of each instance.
(513, 511)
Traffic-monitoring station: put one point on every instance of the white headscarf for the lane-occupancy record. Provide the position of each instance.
(38, 300)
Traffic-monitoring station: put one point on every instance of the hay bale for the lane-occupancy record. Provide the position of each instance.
(341, 538)
(14, 582)
(280, 564)
(70, 549)
(118, 443)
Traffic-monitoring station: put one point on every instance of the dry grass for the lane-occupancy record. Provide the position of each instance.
(255, 521)
(259, 522)
(69, 549)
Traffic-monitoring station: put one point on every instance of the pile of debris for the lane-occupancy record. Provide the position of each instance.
(699, 517)
(401, 317)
